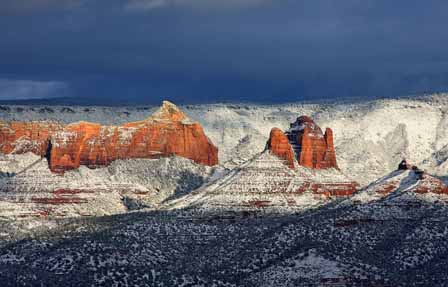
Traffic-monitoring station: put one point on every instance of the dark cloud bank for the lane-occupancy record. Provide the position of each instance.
(189, 51)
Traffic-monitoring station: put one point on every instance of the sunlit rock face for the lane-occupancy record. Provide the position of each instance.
(167, 132)
(306, 142)
(313, 148)
(279, 145)
(21, 137)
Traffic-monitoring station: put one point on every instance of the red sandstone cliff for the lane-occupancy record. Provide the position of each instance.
(167, 132)
(279, 145)
(22, 137)
(311, 147)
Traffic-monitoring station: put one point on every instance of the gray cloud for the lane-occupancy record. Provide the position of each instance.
(148, 5)
(28, 89)
(145, 5)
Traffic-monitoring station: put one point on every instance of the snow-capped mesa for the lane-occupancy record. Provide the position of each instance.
(167, 132)
(49, 170)
(285, 177)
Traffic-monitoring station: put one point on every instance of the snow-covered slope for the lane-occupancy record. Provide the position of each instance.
(401, 195)
(370, 137)
(265, 183)
(29, 188)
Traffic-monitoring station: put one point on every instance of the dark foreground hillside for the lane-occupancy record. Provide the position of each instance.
(338, 245)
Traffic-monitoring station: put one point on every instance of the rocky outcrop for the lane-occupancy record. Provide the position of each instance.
(279, 145)
(167, 132)
(311, 147)
(21, 137)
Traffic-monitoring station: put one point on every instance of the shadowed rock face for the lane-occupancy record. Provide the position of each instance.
(311, 147)
(167, 132)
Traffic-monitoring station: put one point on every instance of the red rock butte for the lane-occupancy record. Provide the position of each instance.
(167, 132)
(306, 142)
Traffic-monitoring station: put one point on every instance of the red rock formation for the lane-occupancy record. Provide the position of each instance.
(167, 132)
(22, 137)
(279, 145)
(330, 154)
(305, 141)
(313, 148)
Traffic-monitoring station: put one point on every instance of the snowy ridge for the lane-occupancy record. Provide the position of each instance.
(402, 184)
(401, 195)
(370, 137)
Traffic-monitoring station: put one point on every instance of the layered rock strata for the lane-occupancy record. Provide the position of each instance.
(167, 132)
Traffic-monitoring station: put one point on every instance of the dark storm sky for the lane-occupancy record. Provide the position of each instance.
(141, 51)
